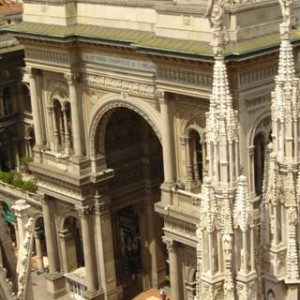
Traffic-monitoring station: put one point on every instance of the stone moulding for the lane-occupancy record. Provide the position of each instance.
(46, 55)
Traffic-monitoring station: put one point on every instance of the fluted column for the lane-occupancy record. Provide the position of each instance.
(35, 106)
(84, 213)
(51, 249)
(173, 267)
(167, 139)
(75, 113)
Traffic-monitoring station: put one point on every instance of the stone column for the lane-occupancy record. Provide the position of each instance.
(167, 139)
(64, 237)
(35, 106)
(104, 246)
(67, 143)
(189, 167)
(39, 250)
(51, 248)
(90, 277)
(55, 279)
(75, 113)
(173, 267)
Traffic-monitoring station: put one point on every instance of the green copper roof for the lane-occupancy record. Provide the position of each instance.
(143, 40)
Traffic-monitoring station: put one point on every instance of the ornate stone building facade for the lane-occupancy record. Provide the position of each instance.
(151, 145)
(16, 128)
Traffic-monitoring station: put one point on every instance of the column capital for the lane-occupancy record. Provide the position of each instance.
(20, 208)
(31, 72)
(251, 150)
(102, 207)
(37, 233)
(44, 199)
(85, 210)
(170, 244)
(65, 235)
(163, 96)
(71, 77)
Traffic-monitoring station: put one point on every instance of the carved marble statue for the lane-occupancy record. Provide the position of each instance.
(215, 15)
(285, 6)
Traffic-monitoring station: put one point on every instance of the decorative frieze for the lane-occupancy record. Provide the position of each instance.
(253, 105)
(184, 76)
(266, 72)
(46, 55)
(121, 85)
(182, 228)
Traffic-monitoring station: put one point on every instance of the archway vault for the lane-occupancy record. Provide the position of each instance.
(110, 102)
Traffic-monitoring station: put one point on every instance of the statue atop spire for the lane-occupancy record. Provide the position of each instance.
(285, 26)
(215, 15)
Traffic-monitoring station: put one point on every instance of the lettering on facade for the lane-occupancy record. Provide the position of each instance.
(121, 85)
(132, 64)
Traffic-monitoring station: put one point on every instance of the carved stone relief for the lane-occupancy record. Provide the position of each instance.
(129, 86)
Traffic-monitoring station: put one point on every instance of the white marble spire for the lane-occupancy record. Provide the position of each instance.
(280, 199)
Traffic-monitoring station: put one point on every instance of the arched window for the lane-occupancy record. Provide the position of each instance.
(7, 101)
(58, 124)
(62, 126)
(260, 143)
(194, 159)
(27, 99)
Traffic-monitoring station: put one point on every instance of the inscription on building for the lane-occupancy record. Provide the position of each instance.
(106, 60)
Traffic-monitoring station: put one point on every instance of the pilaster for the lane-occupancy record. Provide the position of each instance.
(167, 138)
(172, 247)
(104, 245)
(85, 213)
(76, 117)
(32, 74)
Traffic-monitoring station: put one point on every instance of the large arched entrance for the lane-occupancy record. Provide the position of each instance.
(134, 152)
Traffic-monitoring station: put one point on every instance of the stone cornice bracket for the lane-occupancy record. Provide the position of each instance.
(215, 15)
